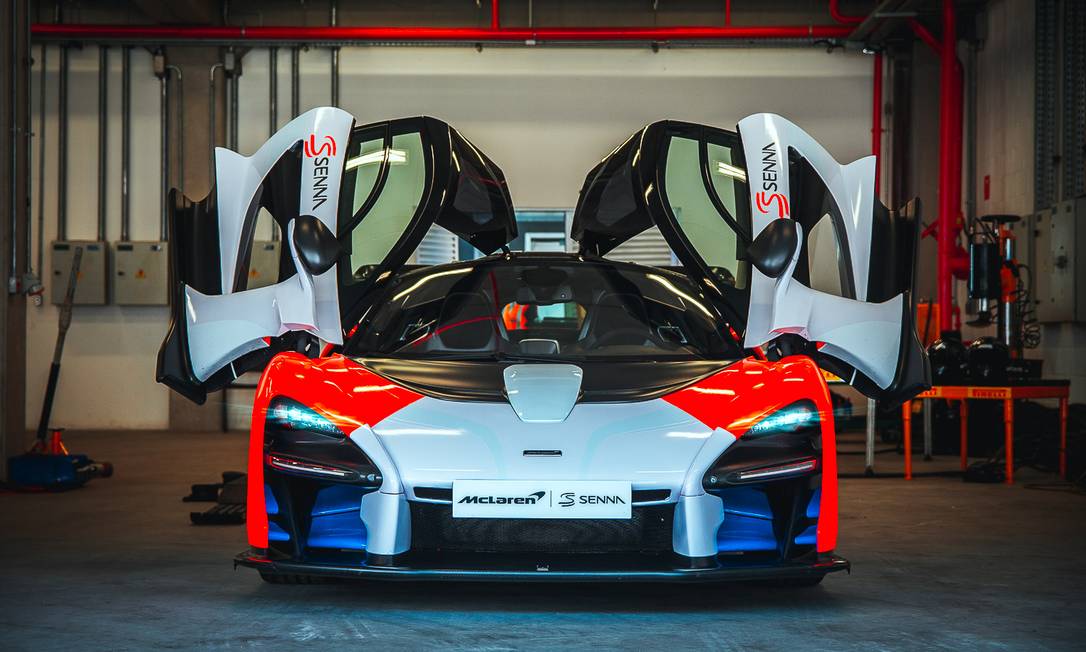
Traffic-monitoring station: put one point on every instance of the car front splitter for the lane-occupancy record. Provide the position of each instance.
(722, 573)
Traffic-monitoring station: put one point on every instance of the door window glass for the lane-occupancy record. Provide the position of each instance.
(712, 238)
(385, 223)
(824, 261)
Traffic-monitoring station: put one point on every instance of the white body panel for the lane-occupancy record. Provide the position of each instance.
(651, 443)
(867, 336)
(223, 327)
(648, 445)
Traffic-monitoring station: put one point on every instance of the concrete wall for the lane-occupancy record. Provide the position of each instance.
(1005, 109)
(545, 115)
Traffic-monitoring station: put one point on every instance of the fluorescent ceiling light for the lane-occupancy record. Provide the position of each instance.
(731, 171)
(395, 157)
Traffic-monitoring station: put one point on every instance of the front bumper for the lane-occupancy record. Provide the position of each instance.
(562, 568)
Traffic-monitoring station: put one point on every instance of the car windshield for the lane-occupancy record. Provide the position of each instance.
(548, 310)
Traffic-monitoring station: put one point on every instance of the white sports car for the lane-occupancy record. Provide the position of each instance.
(529, 416)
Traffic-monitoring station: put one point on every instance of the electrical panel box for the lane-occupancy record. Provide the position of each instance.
(1060, 262)
(264, 264)
(140, 274)
(91, 286)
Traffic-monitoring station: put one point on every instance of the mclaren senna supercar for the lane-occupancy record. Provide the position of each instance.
(544, 416)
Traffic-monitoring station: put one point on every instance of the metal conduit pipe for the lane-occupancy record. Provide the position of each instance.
(62, 146)
(103, 136)
(273, 107)
(273, 90)
(343, 35)
(876, 119)
(212, 132)
(971, 137)
(294, 81)
(41, 160)
(179, 87)
(333, 19)
(164, 147)
(335, 76)
(14, 283)
(126, 128)
(28, 134)
(232, 78)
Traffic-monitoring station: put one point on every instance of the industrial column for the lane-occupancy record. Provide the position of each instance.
(14, 169)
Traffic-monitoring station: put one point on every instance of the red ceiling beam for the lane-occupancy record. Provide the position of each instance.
(467, 34)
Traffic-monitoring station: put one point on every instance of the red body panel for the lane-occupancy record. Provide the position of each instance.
(734, 399)
(750, 390)
(339, 389)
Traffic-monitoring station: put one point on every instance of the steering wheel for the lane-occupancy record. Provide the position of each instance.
(635, 334)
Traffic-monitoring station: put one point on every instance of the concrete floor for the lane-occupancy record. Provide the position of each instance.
(936, 564)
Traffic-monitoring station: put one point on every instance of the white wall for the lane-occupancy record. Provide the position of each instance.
(545, 115)
(107, 374)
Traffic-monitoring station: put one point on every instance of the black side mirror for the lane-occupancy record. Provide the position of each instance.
(316, 244)
(772, 250)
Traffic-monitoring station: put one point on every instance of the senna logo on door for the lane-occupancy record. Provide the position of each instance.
(327, 146)
(321, 151)
(541, 499)
(769, 196)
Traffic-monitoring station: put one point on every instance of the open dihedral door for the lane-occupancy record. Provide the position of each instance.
(353, 204)
(844, 283)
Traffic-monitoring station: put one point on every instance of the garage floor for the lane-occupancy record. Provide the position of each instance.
(936, 564)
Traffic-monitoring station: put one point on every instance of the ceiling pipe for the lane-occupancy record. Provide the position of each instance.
(319, 34)
(926, 36)
(844, 19)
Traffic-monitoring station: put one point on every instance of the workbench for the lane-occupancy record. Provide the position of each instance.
(962, 394)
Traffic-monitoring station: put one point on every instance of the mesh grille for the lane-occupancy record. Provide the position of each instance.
(434, 528)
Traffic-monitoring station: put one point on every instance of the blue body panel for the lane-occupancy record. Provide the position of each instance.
(748, 521)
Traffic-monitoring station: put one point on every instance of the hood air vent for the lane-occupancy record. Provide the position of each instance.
(542, 393)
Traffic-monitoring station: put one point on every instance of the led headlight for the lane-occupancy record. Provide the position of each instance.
(797, 417)
(287, 414)
(298, 441)
(782, 445)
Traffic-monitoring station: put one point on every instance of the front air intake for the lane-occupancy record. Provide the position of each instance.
(433, 528)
